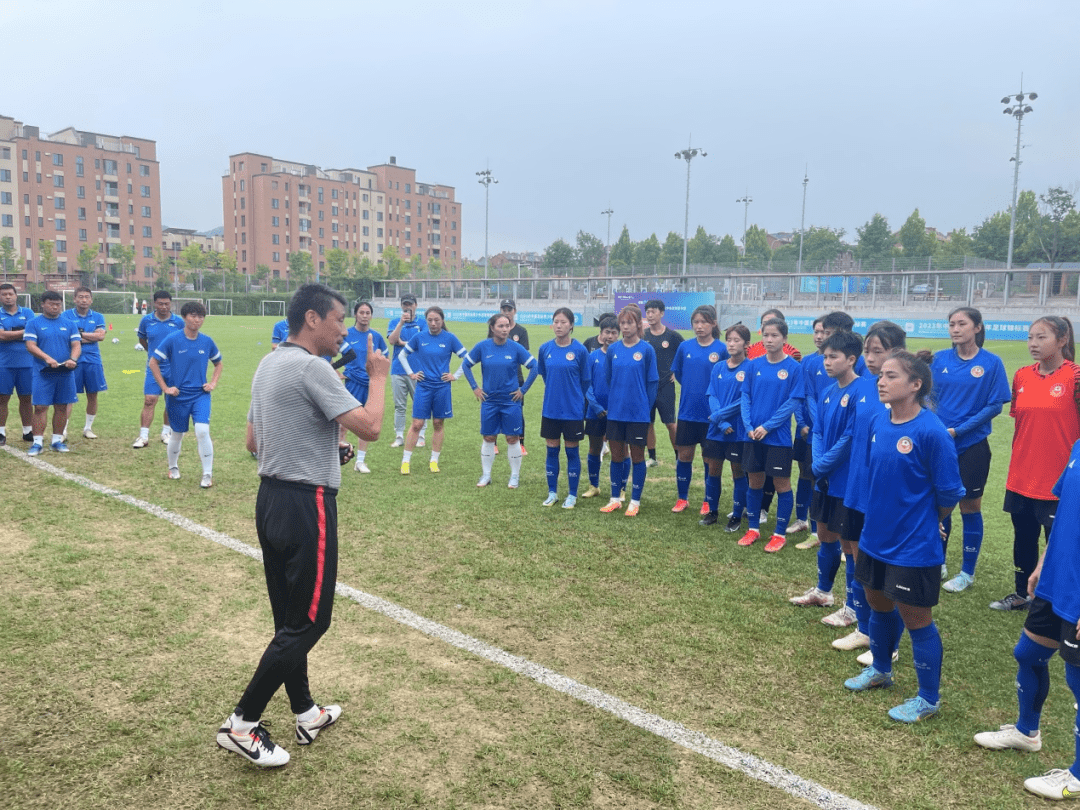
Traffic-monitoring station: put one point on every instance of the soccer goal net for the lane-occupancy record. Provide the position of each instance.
(178, 303)
(219, 306)
(275, 308)
(24, 300)
(107, 302)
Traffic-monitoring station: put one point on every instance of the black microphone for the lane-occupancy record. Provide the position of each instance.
(347, 357)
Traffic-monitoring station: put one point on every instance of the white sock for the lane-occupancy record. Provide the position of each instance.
(435, 456)
(513, 455)
(360, 456)
(166, 431)
(241, 725)
(64, 431)
(206, 447)
(27, 429)
(487, 457)
(3, 430)
(40, 440)
(89, 421)
(144, 433)
(406, 456)
(173, 451)
(309, 715)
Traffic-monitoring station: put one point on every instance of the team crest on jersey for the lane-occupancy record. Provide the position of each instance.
(516, 339)
(844, 401)
(977, 371)
(664, 343)
(638, 355)
(904, 445)
(782, 374)
(1057, 390)
(714, 357)
(570, 356)
(740, 376)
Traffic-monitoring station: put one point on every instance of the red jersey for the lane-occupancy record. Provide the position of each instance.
(758, 350)
(1047, 413)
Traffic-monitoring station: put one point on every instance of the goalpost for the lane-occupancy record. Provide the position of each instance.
(107, 302)
(24, 299)
(276, 308)
(224, 306)
(177, 303)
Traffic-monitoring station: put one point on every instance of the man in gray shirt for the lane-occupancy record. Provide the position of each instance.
(297, 403)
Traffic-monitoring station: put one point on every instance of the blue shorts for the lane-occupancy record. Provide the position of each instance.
(358, 390)
(433, 403)
(54, 388)
(150, 387)
(16, 379)
(180, 410)
(500, 417)
(90, 377)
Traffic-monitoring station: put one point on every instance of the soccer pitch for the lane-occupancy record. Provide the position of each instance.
(131, 638)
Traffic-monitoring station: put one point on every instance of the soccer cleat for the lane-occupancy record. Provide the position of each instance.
(35, 449)
(680, 505)
(844, 617)
(165, 438)
(961, 582)
(361, 467)
(1055, 784)
(1013, 601)
(550, 499)
(733, 523)
(307, 732)
(710, 519)
(1009, 736)
(612, 506)
(484, 481)
(632, 509)
(944, 572)
(254, 746)
(141, 442)
(652, 462)
(776, 542)
(852, 641)
(397, 442)
(867, 658)
(513, 483)
(810, 542)
(570, 502)
(3, 439)
(433, 466)
(813, 597)
(704, 508)
(60, 447)
(763, 518)
(869, 678)
(591, 492)
(174, 473)
(913, 710)
(798, 526)
(496, 449)
(89, 434)
(207, 481)
(420, 442)
(524, 452)
(405, 468)
(28, 437)
(750, 537)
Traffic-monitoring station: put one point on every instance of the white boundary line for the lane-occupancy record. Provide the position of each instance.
(733, 758)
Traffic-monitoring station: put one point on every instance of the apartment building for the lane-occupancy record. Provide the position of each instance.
(421, 219)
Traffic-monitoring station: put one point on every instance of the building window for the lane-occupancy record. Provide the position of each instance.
(61, 266)
(275, 239)
(274, 202)
(144, 191)
(79, 166)
(408, 188)
(82, 234)
(243, 238)
(379, 246)
(453, 240)
(58, 181)
(334, 228)
(333, 210)
(5, 198)
(131, 208)
(5, 152)
(61, 224)
(131, 229)
(367, 246)
(366, 214)
(320, 194)
(80, 192)
(277, 256)
(148, 252)
(57, 159)
(378, 216)
(144, 171)
(366, 231)
(273, 185)
(147, 232)
(129, 168)
(320, 233)
(321, 217)
(82, 213)
(378, 232)
(109, 166)
(243, 220)
(275, 221)
(242, 184)
(364, 197)
(333, 194)
(58, 203)
(5, 175)
(243, 255)
(146, 210)
(8, 221)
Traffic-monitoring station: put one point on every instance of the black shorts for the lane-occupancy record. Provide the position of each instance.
(571, 430)
(853, 523)
(689, 433)
(1041, 511)
(665, 403)
(1042, 621)
(917, 586)
(771, 459)
(801, 451)
(635, 433)
(827, 510)
(975, 469)
(596, 428)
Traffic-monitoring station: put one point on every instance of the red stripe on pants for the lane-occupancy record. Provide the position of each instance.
(320, 558)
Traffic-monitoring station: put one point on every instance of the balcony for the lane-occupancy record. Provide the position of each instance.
(112, 213)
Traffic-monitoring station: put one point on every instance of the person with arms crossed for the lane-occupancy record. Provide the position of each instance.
(596, 413)
(727, 435)
(16, 363)
(89, 373)
(400, 331)
(153, 329)
(356, 376)
(297, 404)
(665, 344)
(54, 343)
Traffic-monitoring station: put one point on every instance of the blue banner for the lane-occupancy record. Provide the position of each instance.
(481, 316)
(938, 328)
(678, 306)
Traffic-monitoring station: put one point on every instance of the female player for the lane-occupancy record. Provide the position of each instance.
(564, 365)
(726, 435)
(1045, 398)
(596, 414)
(970, 389)
(914, 482)
(355, 372)
(770, 393)
(693, 366)
(500, 397)
(431, 354)
(630, 380)
(1053, 621)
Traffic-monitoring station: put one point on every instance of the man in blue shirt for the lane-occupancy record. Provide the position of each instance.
(399, 332)
(54, 343)
(16, 365)
(153, 329)
(89, 373)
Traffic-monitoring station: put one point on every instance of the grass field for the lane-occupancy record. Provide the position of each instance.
(130, 639)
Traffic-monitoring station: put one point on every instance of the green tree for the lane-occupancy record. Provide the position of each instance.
(727, 252)
(192, 261)
(757, 251)
(558, 254)
(262, 273)
(647, 252)
(301, 270)
(1057, 203)
(590, 250)
(393, 265)
(124, 257)
(915, 242)
(671, 252)
(990, 239)
(9, 256)
(702, 248)
(875, 240)
(46, 256)
(88, 263)
(622, 252)
(958, 244)
(338, 266)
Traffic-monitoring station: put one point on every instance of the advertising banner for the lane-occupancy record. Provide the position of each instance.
(678, 306)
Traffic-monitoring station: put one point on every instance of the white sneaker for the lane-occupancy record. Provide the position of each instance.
(1009, 736)
(1055, 784)
(867, 658)
(174, 473)
(254, 746)
(813, 598)
(652, 462)
(361, 467)
(141, 442)
(397, 442)
(89, 434)
(207, 481)
(307, 732)
(484, 481)
(852, 641)
(420, 442)
(763, 518)
(844, 617)
(797, 526)
(165, 438)
(513, 482)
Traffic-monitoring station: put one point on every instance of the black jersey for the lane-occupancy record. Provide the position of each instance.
(666, 346)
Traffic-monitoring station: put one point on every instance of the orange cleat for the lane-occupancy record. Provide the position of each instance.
(611, 506)
(680, 505)
(704, 508)
(749, 538)
(776, 542)
(632, 510)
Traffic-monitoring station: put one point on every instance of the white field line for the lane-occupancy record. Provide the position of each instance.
(733, 758)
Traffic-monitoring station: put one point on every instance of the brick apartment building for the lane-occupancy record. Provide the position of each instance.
(77, 188)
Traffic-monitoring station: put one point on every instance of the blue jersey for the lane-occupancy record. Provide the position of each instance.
(356, 370)
(1059, 583)
(770, 394)
(500, 365)
(91, 322)
(631, 379)
(13, 353)
(913, 472)
(725, 389)
(431, 354)
(53, 336)
(867, 406)
(597, 393)
(817, 382)
(692, 367)
(409, 330)
(567, 373)
(968, 394)
(187, 359)
(280, 333)
(154, 331)
(833, 432)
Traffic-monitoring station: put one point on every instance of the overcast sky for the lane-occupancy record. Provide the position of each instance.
(577, 106)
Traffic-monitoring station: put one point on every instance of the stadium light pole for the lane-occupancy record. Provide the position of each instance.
(802, 221)
(314, 260)
(1017, 107)
(607, 256)
(746, 199)
(688, 154)
(486, 180)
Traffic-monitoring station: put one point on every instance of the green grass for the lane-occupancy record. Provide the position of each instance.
(132, 638)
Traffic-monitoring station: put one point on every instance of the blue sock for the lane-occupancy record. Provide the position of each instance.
(947, 525)
(828, 563)
(552, 469)
(1072, 678)
(784, 502)
(626, 466)
(885, 632)
(1032, 681)
(849, 578)
(813, 527)
(573, 469)
(926, 652)
(753, 507)
(615, 469)
(594, 470)
(738, 496)
(712, 492)
(640, 471)
(684, 471)
(973, 537)
(861, 606)
(803, 492)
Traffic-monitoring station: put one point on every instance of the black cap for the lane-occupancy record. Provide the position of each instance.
(408, 299)
(508, 303)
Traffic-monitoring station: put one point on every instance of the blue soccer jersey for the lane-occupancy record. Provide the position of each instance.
(280, 333)
(90, 322)
(968, 394)
(693, 367)
(631, 379)
(725, 389)
(154, 331)
(13, 353)
(567, 373)
(770, 394)
(430, 355)
(815, 381)
(913, 472)
(409, 330)
(833, 433)
(867, 406)
(187, 359)
(500, 365)
(54, 336)
(1059, 582)
(356, 370)
(596, 394)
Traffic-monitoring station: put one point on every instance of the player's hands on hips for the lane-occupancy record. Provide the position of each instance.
(480, 395)
(209, 386)
(447, 377)
(172, 391)
(517, 396)
(416, 376)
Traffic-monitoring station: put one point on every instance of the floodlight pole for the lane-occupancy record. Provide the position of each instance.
(1018, 111)
(802, 221)
(746, 199)
(688, 154)
(607, 255)
(486, 180)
